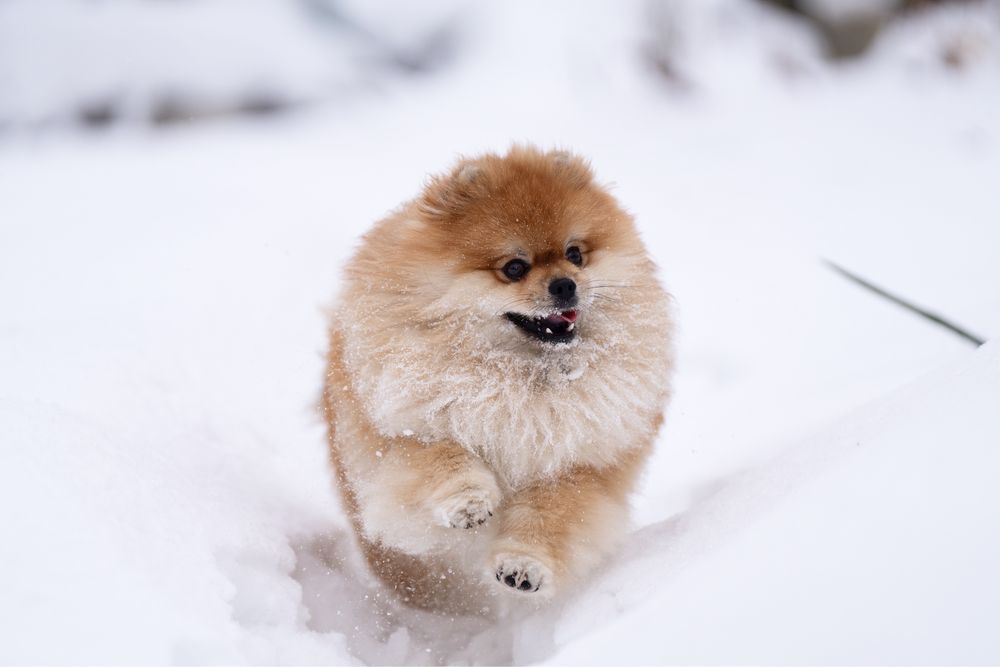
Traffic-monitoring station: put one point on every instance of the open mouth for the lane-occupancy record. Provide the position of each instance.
(556, 328)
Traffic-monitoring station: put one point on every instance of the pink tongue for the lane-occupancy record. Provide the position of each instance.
(565, 316)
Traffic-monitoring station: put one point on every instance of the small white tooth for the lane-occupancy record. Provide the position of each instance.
(571, 325)
(548, 330)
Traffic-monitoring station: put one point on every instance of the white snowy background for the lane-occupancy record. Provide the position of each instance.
(180, 183)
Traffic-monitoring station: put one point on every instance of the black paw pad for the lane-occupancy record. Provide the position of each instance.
(517, 580)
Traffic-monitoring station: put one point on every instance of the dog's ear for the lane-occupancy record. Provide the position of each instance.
(447, 195)
(573, 168)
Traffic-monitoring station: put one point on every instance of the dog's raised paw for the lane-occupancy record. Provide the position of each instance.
(523, 574)
(468, 505)
(465, 500)
(468, 509)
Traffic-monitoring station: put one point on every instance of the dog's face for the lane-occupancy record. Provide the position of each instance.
(545, 279)
(526, 247)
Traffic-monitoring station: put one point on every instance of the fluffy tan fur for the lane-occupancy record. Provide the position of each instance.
(469, 453)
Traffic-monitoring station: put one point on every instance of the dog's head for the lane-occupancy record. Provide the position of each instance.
(525, 248)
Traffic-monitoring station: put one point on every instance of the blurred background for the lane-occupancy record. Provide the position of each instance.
(97, 64)
(203, 167)
(181, 181)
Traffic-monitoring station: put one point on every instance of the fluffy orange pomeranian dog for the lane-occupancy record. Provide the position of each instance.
(498, 368)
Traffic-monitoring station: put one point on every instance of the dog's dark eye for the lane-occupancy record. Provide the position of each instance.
(515, 269)
(574, 255)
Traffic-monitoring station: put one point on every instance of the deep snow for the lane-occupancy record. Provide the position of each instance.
(822, 491)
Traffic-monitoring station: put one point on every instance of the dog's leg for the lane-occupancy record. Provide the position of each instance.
(558, 530)
(401, 493)
(411, 493)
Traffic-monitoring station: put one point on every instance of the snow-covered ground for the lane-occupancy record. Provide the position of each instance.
(824, 490)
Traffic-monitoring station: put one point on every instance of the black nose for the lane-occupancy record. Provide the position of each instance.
(563, 289)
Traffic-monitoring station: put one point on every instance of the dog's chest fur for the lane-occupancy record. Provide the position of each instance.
(527, 416)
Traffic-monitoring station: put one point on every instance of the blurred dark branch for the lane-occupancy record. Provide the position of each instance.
(899, 301)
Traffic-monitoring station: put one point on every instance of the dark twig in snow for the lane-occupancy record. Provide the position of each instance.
(899, 301)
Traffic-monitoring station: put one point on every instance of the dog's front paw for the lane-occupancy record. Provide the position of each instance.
(468, 500)
(469, 508)
(524, 574)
